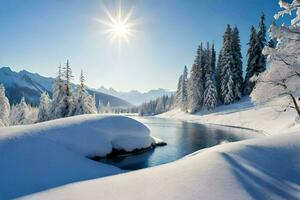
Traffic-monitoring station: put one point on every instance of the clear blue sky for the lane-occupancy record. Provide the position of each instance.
(37, 35)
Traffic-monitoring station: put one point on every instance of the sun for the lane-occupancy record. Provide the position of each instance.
(119, 27)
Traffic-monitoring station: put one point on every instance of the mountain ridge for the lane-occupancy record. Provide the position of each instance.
(31, 85)
(134, 96)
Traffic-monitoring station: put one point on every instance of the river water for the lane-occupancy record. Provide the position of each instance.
(182, 138)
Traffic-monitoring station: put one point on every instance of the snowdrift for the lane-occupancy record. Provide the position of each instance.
(264, 168)
(49, 154)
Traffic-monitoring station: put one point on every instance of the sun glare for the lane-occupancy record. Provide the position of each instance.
(118, 27)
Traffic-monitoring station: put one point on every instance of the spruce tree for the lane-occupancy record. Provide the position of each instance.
(184, 90)
(227, 64)
(84, 103)
(261, 36)
(213, 60)
(210, 92)
(43, 113)
(67, 104)
(58, 94)
(252, 60)
(22, 113)
(178, 92)
(256, 58)
(196, 89)
(237, 69)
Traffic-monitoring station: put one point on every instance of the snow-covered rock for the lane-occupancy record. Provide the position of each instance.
(49, 154)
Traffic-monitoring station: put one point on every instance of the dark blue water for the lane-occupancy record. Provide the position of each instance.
(182, 138)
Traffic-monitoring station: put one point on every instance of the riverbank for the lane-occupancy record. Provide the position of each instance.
(265, 118)
(262, 168)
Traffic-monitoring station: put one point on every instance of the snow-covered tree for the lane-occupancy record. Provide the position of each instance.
(252, 57)
(238, 64)
(58, 93)
(108, 108)
(100, 107)
(32, 116)
(256, 59)
(157, 106)
(210, 92)
(67, 103)
(84, 103)
(195, 83)
(261, 36)
(43, 112)
(182, 93)
(226, 65)
(19, 113)
(4, 107)
(282, 79)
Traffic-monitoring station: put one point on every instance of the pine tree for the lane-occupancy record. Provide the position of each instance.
(84, 102)
(227, 63)
(210, 92)
(213, 60)
(21, 112)
(178, 92)
(4, 107)
(108, 108)
(100, 107)
(251, 63)
(261, 36)
(256, 58)
(237, 69)
(58, 93)
(43, 113)
(196, 86)
(67, 104)
(218, 75)
(184, 90)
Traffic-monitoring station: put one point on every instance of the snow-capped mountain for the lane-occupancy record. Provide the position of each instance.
(136, 97)
(31, 85)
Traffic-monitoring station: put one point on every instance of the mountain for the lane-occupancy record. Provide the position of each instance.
(135, 97)
(31, 85)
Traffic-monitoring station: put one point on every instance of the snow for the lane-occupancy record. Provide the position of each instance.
(49, 154)
(43, 162)
(263, 168)
(264, 118)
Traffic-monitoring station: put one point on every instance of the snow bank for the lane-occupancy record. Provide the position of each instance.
(49, 154)
(265, 118)
(264, 168)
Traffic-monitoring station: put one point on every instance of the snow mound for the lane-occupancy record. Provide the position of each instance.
(263, 168)
(49, 154)
(87, 135)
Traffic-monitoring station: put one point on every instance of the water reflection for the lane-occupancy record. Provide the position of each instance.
(182, 138)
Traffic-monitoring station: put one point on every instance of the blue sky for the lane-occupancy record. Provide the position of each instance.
(38, 35)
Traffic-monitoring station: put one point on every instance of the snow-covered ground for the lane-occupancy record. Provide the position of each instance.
(265, 118)
(45, 155)
(263, 168)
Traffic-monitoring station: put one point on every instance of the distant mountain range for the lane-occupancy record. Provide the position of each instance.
(31, 85)
(135, 97)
